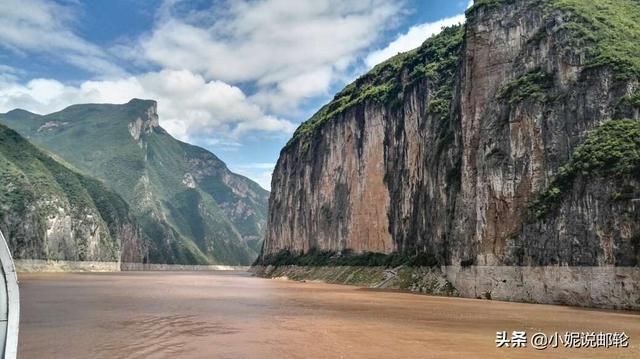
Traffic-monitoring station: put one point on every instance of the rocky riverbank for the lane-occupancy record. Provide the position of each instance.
(420, 279)
(599, 287)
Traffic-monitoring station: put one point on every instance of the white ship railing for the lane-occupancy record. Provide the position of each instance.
(9, 304)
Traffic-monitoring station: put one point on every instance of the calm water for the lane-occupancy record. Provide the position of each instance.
(233, 315)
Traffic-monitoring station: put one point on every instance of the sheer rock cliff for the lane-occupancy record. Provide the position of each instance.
(511, 140)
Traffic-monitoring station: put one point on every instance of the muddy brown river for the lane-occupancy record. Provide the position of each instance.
(234, 315)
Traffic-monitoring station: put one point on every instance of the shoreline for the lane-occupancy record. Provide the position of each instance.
(606, 287)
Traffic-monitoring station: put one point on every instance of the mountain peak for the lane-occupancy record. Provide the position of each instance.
(19, 114)
(142, 102)
(147, 121)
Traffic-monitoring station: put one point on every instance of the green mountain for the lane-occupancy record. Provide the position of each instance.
(193, 209)
(48, 211)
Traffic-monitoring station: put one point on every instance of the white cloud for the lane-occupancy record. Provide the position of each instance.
(259, 172)
(37, 26)
(307, 84)
(280, 52)
(412, 38)
(48, 95)
(188, 105)
(258, 165)
(290, 50)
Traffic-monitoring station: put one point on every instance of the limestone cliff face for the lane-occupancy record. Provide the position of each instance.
(457, 149)
(513, 147)
(333, 195)
(145, 123)
(55, 229)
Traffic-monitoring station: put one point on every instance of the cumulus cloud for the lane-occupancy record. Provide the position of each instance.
(283, 51)
(290, 50)
(193, 106)
(38, 26)
(413, 38)
(221, 72)
(189, 106)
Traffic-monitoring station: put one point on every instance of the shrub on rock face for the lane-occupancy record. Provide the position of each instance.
(612, 150)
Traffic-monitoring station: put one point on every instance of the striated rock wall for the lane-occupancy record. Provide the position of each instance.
(63, 233)
(345, 201)
(512, 148)
(57, 227)
(462, 176)
(58, 230)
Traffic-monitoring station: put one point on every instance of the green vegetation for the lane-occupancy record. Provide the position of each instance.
(632, 100)
(415, 279)
(214, 185)
(612, 150)
(33, 186)
(609, 30)
(486, 4)
(436, 59)
(185, 225)
(318, 258)
(534, 85)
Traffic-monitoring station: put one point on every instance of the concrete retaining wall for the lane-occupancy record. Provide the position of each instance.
(40, 265)
(177, 267)
(601, 287)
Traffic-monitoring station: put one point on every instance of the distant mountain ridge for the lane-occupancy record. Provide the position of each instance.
(192, 208)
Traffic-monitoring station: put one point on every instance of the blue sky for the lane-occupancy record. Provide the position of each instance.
(236, 77)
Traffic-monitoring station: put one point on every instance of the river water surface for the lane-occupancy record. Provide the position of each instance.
(234, 315)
